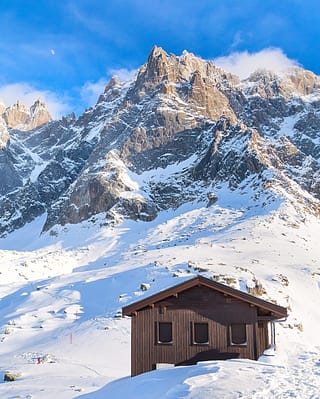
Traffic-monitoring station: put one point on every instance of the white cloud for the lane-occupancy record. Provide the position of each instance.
(91, 91)
(123, 74)
(27, 94)
(244, 63)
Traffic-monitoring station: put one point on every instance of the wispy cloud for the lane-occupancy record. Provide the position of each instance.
(27, 94)
(244, 63)
(91, 91)
(237, 40)
(81, 13)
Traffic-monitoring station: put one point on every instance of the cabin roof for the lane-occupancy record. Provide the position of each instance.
(277, 311)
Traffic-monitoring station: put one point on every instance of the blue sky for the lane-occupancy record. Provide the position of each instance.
(66, 50)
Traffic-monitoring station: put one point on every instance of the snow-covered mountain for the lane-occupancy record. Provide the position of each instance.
(184, 170)
(173, 134)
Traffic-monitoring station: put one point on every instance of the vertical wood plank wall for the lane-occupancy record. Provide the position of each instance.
(198, 304)
(262, 336)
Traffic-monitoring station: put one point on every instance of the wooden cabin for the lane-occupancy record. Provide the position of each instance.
(199, 320)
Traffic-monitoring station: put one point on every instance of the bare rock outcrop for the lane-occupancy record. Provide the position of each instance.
(19, 116)
(4, 134)
(38, 114)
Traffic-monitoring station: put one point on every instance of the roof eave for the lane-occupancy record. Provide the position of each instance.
(276, 310)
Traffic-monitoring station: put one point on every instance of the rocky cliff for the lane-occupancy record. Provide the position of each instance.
(174, 134)
(19, 116)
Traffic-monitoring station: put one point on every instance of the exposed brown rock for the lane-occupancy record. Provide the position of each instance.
(19, 116)
(294, 82)
(16, 115)
(38, 115)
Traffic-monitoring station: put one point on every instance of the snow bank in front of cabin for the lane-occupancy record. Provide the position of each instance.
(221, 379)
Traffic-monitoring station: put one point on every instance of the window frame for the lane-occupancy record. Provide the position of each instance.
(193, 329)
(243, 344)
(158, 342)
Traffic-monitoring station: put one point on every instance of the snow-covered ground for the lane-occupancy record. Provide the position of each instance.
(62, 293)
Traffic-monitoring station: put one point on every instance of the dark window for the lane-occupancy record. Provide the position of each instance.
(164, 333)
(200, 333)
(238, 334)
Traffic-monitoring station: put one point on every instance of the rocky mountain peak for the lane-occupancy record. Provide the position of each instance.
(294, 82)
(38, 114)
(113, 82)
(111, 90)
(156, 53)
(157, 67)
(37, 105)
(184, 79)
(19, 116)
(16, 115)
(302, 82)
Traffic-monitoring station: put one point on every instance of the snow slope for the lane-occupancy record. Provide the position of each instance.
(62, 292)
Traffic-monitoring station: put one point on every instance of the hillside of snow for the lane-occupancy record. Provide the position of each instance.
(62, 292)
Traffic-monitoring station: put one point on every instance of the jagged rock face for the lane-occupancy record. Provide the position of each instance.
(39, 115)
(295, 82)
(19, 116)
(10, 178)
(16, 115)
(4, 134)
(188, 80)
(178, 130)
(232, 155)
